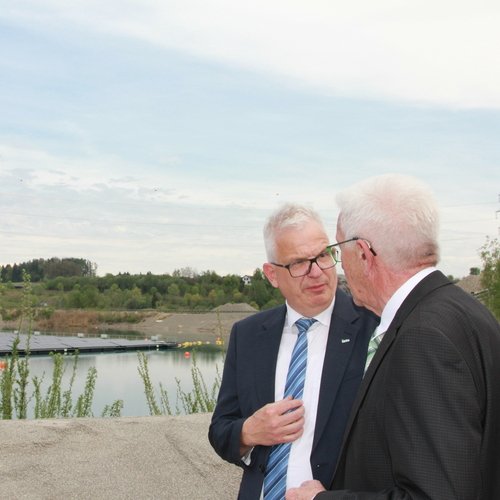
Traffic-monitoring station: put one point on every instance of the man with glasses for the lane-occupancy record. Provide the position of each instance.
(279, 437)
(425, 424)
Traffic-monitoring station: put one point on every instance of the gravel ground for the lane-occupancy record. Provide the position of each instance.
(113, 458)
(181, 327)
(187, 327)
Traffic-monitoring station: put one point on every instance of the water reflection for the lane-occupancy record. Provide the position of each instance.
(118, 376)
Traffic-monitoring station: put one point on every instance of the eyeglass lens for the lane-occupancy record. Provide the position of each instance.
(324, 260)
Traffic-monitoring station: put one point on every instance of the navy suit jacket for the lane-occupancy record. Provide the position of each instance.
(248, 383)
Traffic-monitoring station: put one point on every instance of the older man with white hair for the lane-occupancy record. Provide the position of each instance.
(426, 421)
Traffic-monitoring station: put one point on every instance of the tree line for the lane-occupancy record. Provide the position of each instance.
(77, 286)
(73, 283)
(42, 269)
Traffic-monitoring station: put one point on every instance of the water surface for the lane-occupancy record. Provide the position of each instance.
(118, 376)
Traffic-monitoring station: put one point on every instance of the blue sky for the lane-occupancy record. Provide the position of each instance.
(155, 135)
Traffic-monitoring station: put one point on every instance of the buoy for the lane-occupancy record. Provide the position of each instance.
(187, 354)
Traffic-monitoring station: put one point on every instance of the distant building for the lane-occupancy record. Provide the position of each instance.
(247, 280)
(472, 285)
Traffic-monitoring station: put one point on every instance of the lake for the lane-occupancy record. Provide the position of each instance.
(118, 376)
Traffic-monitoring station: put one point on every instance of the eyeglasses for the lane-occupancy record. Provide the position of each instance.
(325, 260)
(355, 238)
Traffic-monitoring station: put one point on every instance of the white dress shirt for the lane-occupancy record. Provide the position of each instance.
(299, 465)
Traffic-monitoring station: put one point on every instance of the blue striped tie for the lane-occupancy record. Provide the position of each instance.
(277, 464)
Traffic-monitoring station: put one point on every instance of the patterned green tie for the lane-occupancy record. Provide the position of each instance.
(373, 346)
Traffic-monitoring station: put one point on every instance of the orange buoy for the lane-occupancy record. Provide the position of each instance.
(187, 354)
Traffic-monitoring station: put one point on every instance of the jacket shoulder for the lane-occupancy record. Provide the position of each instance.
(261, 317)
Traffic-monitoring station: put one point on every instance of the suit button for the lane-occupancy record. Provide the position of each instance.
(262, 468)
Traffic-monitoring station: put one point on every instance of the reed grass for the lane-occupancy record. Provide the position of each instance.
(200, 399)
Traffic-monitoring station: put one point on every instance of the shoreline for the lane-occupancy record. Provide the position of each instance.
(212, 327)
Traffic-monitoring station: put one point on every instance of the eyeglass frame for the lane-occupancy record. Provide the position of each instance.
(356, 238)
(314, 260)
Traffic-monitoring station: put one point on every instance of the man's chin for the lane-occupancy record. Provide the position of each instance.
(321, 301)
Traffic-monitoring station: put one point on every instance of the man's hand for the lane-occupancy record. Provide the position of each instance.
(307, 491)
(279, 422)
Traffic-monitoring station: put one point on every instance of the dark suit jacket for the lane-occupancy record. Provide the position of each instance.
(248, 384)
(426, 421)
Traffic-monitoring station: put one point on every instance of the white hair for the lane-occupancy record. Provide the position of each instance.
(288, 215)
(397, 214)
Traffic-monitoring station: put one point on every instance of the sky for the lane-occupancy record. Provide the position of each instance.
(151, 136)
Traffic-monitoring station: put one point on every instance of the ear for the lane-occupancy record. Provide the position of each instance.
(270, 273)
(365, 255)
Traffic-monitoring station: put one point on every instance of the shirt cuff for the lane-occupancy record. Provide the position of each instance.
(247, 457)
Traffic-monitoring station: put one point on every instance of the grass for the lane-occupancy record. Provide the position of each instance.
(83, 319)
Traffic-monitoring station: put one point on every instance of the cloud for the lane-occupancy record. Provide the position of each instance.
(131, 137)
(432, 53)
(160, 221)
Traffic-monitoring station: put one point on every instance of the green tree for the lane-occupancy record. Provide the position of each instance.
(74, 299)
(261, 292)
(136, 300)
(185, 272)
(490, 276)
(174, 290)
(6, 273)
(114, 297)
(17, 273)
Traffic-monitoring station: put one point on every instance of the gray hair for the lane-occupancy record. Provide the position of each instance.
(288, 215)
(397, 214)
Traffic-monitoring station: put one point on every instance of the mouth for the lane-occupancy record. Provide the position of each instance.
(318, 288)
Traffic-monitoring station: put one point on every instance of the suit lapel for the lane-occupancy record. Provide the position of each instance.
(267, 344)
(341, 341)
(384, 347)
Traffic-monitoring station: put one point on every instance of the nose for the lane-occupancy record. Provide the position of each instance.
(315, 270)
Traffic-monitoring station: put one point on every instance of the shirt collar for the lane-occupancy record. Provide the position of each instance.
(323, 317)
(394, 303)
